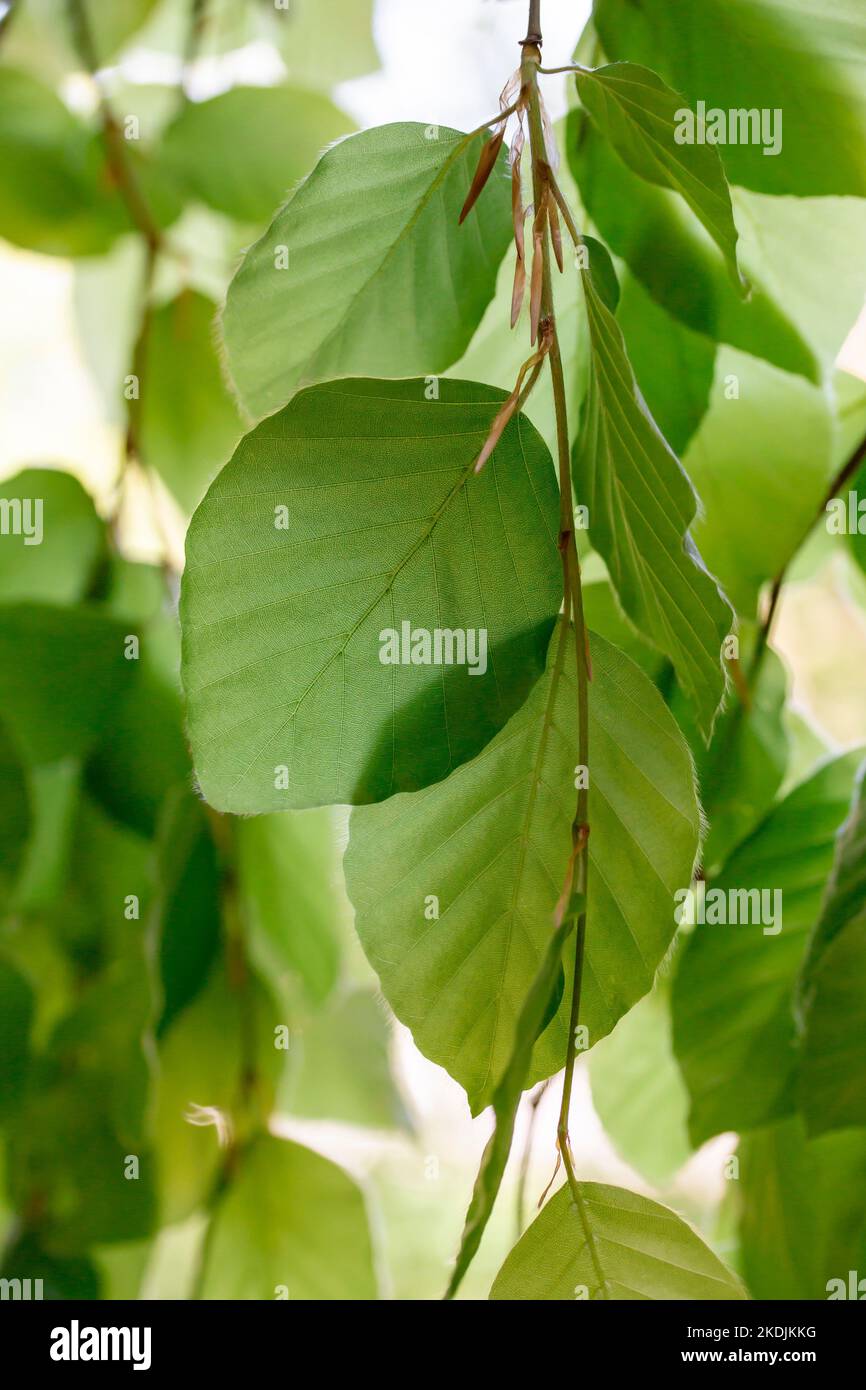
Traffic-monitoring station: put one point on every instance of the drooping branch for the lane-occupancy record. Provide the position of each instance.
(576, 872)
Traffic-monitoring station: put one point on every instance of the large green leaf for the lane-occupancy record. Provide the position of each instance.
(491, 845)
(800, 1209)
(616, 1246)
(380, 278)
(641, 505)
(387, 523)
(189, 422)
(733, 991)
(832, 999)
(286, 869)
(291, 1224)
(53, 541)
(805, 60)
(242, 152)
(637, 112)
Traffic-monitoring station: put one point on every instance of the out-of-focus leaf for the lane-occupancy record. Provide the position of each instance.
(638, 1092)
(54, 791)
(14, 815)
(352, 513)
(40, 30)
(334, 280)
(200, 1080)
(343, 1071)
(61, 670)
(805, 63)
(74, 1277)
(677, 262)
(742, 770)
(769, 436)
(832, 990)
(67, 1167)
(54, 193)
(188, 903)
(242, 152)
(663, 350)
(455, 887)
(801, 1210)
(142, 753)
(289, 1221)
(16, 1018)
(189, 422)
(617, 1246)
(287, 866)
(52, 541)
(733, 989)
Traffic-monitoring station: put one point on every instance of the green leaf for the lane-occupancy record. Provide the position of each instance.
(487, 849)
(61, 669)
(732, 997)
(677, 262)
(14, 815)
(200, 1077)
(735, 452)
(16, 1020)
(53, 540)
(832, 1085)
(242, 152)
(640, 116)
(641, 505)
(188, 903)
(290, 703)
(189, 422)
(142, 754)
(54, 196)
(343, 1072)
(376, 219)
(807, 62)
(41, 36)
(619, 1246)
(742, 770)
(531, 1022)
(290, 1220)
(286, 869)
(637, 1090)
(661, 350)
(324, 42)
(75, 1278)
(67, 1164)
(800, 1210)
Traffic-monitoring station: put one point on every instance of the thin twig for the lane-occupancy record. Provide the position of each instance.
(534, 1101)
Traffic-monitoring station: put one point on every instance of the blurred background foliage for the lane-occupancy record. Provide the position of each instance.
(203, 1093)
